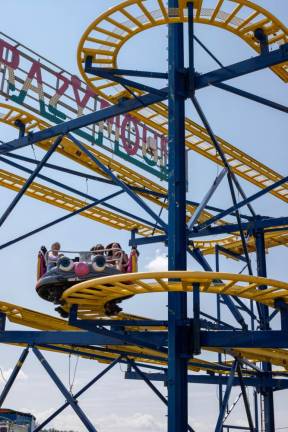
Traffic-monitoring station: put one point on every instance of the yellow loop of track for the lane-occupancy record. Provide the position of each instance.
(92, 296)
(104, 38)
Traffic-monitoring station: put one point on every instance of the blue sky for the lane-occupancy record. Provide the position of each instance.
(53, 28)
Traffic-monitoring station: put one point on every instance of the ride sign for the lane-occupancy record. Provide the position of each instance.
(47, 90)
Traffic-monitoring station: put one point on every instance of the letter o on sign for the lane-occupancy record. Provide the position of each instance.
(130, 147)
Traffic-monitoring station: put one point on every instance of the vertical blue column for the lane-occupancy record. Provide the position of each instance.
(177, 240)
(264, 325)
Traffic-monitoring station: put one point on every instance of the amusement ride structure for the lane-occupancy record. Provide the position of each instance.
(154, 136)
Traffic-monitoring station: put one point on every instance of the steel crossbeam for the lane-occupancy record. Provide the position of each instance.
(13, 375)
(154, 340)
(245, 67)
(118, 182)
(220, 420)
(255, 381)
(30, 180)
(122, 107)
(70, 399)
(77, 395)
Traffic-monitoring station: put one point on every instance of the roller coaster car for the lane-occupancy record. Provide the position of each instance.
(67, 272)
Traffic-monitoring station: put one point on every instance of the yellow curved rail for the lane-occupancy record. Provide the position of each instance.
(107, 34)
(234, 243)
(91, 296)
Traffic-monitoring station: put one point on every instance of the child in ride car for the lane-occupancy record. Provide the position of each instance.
(53, 255)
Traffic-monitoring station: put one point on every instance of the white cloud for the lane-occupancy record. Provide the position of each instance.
(159, 263)
(5, 374)
(140, 422)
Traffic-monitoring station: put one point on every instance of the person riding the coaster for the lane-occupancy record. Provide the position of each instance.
(97, 250)
(117, 257)
(53, 255)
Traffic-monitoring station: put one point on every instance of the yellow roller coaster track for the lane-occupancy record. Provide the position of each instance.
(39, 321)
(92, 295)
(107, 34)
(234, 243)
(71, 204)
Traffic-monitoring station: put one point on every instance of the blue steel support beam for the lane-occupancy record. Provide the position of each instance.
(254, 381)
(149, 339)
(232, 180)
(61, 219)
(77, 395)
(2, 321)
(177, 237)
(118, 182)
(219, 424)
(30, 180)
(245, 67)
(206, 199)
(231, 253)
(129, 72)
(152, 339)
(122, 107)
(283, 308)
(245, 398)
(223, 229)
(243, 203)
(269, 418)
(105, 74)
(223, 74)
(13, 375)
(144, 377)
(133, 338)
(70, 399)
(251, 96)
(198, 256)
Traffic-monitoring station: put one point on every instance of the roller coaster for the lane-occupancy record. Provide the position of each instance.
(110, 124)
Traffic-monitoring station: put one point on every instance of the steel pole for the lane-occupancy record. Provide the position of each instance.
(13, 375)
(267, 393)
(177, 240)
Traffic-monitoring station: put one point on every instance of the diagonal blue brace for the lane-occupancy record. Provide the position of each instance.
(70, 399)
(61, 219)
(197, 255)
(129, 72)
(13, 375)
(253, 97)
(145, 378)
(77, 395)
(122, 107)
(245, 398)
(118, 182)
(219, 424)
(30, 180)
(243, 203)
(106, 74)
(243, 68)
